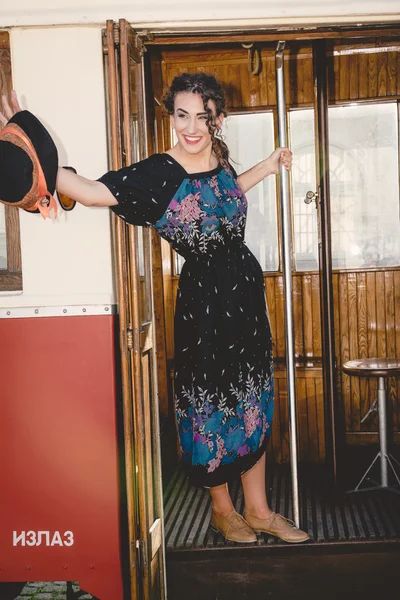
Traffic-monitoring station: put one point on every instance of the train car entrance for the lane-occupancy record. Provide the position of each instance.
(342, 114)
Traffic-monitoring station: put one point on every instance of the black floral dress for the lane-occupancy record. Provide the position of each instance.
(224, 395)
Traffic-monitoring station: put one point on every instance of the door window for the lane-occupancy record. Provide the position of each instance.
(364, 182)
(303, 178)
(364, 186)
(250, 139)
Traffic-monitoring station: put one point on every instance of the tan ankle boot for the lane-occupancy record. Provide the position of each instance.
(233, 527)
(279, 526)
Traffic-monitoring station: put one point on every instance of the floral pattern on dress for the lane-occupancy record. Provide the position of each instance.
(212, 432)
(204, 210)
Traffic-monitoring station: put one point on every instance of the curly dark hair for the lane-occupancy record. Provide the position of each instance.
(209, 88)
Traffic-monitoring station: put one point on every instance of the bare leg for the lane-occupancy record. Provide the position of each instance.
(258, 514)
(255, 495)
(221, 500)
(226, 520)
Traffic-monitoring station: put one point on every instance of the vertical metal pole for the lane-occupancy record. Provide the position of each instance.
(287, 274)
(382, 430)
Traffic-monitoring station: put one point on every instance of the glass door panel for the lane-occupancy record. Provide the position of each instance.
(247, 148)
(305, 221)
(364, 179)
(364, 186)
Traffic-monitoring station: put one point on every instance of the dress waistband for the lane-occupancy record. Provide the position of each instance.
(222, 249)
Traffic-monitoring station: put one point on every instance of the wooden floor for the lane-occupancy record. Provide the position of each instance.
(353, 551)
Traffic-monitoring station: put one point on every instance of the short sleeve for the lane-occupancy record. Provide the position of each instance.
(144, 189)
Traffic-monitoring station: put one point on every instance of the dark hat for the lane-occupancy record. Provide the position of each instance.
(28, 164)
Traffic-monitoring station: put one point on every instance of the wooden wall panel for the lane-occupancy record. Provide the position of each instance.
(310, 417)
(358, 76)
(298, 315)
(281, 444)
(316, 316)
(353, 76)
(362, 340)
(280, 318)
(396, 278)
(369, 75)
(302, 418)
(362, 81)
(372, 76)
(307, 316)
(312, 420)
(392, 73)
(245, 91)
(368, 329)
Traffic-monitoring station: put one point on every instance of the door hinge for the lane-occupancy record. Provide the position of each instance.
(116, 34)
(104, 42)
(132, 339)
(116, 38)
(129, 338)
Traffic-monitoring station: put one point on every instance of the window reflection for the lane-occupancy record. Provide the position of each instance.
(305, 226)
(364, 185)
(250, 139)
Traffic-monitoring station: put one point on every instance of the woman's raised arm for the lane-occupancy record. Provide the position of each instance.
(85, 191)
(269, 166)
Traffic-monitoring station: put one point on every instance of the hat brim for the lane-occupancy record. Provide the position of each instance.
(43, 144)
(28, 156)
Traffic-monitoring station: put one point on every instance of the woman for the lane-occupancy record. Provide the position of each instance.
(193, 198)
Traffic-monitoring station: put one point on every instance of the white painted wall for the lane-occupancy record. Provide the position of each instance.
(58, 74)
(47, 12)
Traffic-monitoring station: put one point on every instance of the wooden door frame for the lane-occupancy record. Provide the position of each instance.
(145, 537)
(334, 427)
(120, 235)
(223, 36)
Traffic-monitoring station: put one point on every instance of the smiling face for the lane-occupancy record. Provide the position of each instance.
(190, 123)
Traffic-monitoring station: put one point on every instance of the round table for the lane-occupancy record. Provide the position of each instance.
(382, 368)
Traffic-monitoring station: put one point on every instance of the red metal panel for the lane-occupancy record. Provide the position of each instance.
(58, 448)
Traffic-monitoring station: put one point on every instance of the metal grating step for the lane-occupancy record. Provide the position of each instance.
(328, 517)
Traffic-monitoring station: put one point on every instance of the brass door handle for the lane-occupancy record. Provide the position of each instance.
(310, 196)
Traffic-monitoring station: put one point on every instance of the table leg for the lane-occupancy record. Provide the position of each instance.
(382, 430)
